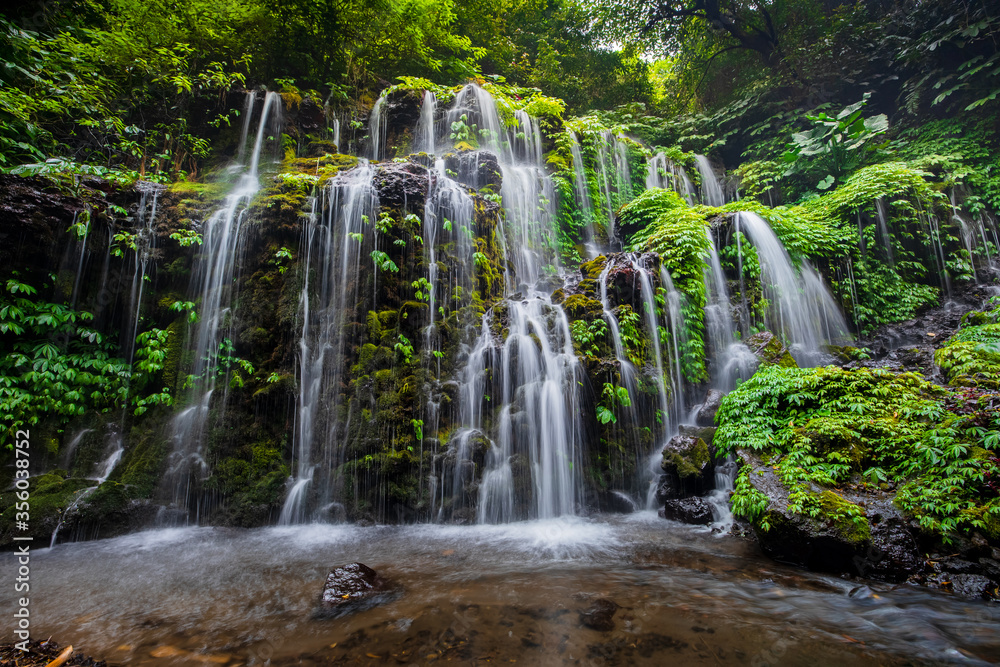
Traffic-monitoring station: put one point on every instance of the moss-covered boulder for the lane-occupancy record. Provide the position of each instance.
(688, 466)
(769, 349)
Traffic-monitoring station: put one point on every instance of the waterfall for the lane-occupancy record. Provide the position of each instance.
(581, 191)
(729, 359)
(423, 141)
(333, 255)
(801, 305)
(883, 228)
(614, 175)
(212, 279)
(661, 172)
(528, 381)
(711, 191)
(377, 123)
(145, 246)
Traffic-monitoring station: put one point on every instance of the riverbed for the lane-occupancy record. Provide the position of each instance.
(512, 593)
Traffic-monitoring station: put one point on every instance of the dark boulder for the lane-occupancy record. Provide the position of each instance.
(706, 433)
(600, 615)
(401, 183)
(974, 586)
(694, 511)
(706, 414)
(688, 463)
(829, 542)
(352, 588)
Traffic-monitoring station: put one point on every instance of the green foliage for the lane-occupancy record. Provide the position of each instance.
(835, 144)
(383, 262)
(971, 357)
(54, 367)
(612, 397)
(232, 365)
(588, 337)
(822, 428)
(403, 348)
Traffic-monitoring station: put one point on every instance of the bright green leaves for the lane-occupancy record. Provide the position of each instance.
(837, 144)
(383, 262)
(821, 427)
(612, 398)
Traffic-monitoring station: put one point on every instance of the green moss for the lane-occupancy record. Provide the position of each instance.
(847, 517)
(693, 461)
(593, 269)
(578, 306)
(830, 427)
(374, 326)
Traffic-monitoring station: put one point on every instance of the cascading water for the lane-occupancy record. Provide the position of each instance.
(581, 191)
(424, 136)
(801, 306)
(377, 124)
(711, 191)
(213, 280)
(533, 374)
(332, 257)
(729, 359)
(539, 417)
(661, 172)
(145, 241)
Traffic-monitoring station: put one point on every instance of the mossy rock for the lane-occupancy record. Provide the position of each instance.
(593, 269)
(579, 306)
(770, 350)
(686, 456)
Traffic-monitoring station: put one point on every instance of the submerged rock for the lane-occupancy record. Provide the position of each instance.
(352, 588)
(695, 511)
(600, 615)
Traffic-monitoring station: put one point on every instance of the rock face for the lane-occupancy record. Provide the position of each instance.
(351, 588)
(694, 511)
(475, 169)
(401, 183)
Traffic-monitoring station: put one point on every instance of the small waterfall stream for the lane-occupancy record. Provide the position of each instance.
(212, 280)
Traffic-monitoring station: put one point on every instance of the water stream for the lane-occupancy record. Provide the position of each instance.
(485, 593)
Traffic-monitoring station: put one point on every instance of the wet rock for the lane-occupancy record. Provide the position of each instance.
(600, 615)
(770, 350)
(694, 511)
(974, 586)
(351, 588)
(400, 183)
(706, 414)
(475, 169)
(706, 433)
(817, 543)
(618, 502)
(894, 553)
(688, 462)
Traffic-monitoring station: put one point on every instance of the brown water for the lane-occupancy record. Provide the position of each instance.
(485, 594)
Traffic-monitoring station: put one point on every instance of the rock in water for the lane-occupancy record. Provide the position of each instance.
(693, 511)
(351, 588)
(706, 414)
(600, 615)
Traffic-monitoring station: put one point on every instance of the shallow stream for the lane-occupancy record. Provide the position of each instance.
(485, 594)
